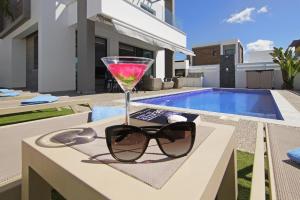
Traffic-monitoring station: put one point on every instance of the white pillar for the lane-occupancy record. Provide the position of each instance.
(5, 62)
(236, 53)
(56, 49)
(160, 64)
(221, 49)
(18, 63)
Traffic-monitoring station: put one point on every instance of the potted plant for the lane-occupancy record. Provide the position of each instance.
(289, 64)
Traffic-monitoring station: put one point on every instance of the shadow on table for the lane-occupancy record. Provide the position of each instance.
(77, 136)
(67, 137)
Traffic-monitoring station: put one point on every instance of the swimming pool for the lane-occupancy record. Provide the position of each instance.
(256, 103)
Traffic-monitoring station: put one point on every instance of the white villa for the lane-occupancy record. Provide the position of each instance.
(57, 45)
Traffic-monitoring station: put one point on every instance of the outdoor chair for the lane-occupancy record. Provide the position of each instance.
(283, 174)
(152, 84)
(178, 82)
(167, 84)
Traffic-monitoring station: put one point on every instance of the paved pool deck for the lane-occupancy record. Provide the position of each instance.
(246, 127)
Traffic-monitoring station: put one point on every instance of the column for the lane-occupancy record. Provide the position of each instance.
(86, 50)
(160, 64)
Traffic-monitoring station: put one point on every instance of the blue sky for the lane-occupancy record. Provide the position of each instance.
(263, 23)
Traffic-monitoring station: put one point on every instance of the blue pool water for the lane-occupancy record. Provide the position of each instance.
(256, 103)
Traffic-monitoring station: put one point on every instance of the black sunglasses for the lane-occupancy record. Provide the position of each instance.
(128, 143)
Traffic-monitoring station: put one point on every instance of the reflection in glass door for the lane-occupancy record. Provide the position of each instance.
(100, 69)
(127, 50)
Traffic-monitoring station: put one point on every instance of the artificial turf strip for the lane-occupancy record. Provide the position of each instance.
(31, 116)
(245, 167)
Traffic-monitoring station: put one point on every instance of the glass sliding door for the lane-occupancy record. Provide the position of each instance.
(128, 50)
(100, 69)
(32, 63)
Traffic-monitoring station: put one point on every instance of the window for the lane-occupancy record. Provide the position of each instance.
(148, 8)
(229, 52)
(100, 52)
(127, 50)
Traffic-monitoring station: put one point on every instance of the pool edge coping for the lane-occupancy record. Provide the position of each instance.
(280, 101)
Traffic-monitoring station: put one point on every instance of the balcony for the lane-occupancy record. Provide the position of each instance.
(128, 12)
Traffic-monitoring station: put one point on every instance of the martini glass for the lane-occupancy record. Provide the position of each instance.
(128, 71)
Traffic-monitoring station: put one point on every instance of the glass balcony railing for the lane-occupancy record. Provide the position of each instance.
(157, 10)
(169, 18)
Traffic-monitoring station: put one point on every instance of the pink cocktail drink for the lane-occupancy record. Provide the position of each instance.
(127, 74)
(128, 71)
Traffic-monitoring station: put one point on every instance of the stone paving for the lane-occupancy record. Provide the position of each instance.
(292, 96)
(245, 131)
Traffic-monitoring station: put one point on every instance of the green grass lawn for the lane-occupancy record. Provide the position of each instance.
(31, 116)
(245, 166)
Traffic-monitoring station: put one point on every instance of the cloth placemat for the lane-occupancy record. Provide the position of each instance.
(153, 168)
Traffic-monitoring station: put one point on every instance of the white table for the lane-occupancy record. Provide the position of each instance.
(209, 172)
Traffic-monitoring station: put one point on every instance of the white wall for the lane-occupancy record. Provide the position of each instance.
(181, 65)
(123, 11)
(159, 7)
(241, 73)
(56, 50)
(18, 63)
(258, 56)
(211, 74)
(297, 82)
(5, 62)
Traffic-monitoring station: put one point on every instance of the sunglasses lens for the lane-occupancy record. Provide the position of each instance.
(127, 143)
(177, 139)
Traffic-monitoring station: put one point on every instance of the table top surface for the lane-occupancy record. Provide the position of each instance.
(198, 175)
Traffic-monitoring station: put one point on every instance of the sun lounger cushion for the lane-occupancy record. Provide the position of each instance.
(294, 155)
(99, 113)
(10, 94)
(40, 100)
(5, 91)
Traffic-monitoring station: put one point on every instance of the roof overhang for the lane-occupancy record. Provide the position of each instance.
(131, 31)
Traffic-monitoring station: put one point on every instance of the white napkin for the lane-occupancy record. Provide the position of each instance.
(176, 118)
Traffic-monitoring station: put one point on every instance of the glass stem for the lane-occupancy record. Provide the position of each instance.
(127, 104)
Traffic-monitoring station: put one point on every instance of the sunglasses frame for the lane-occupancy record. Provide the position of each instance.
(155, 135)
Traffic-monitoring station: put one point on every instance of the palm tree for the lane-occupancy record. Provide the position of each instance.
(289, 64)
(5, 8)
